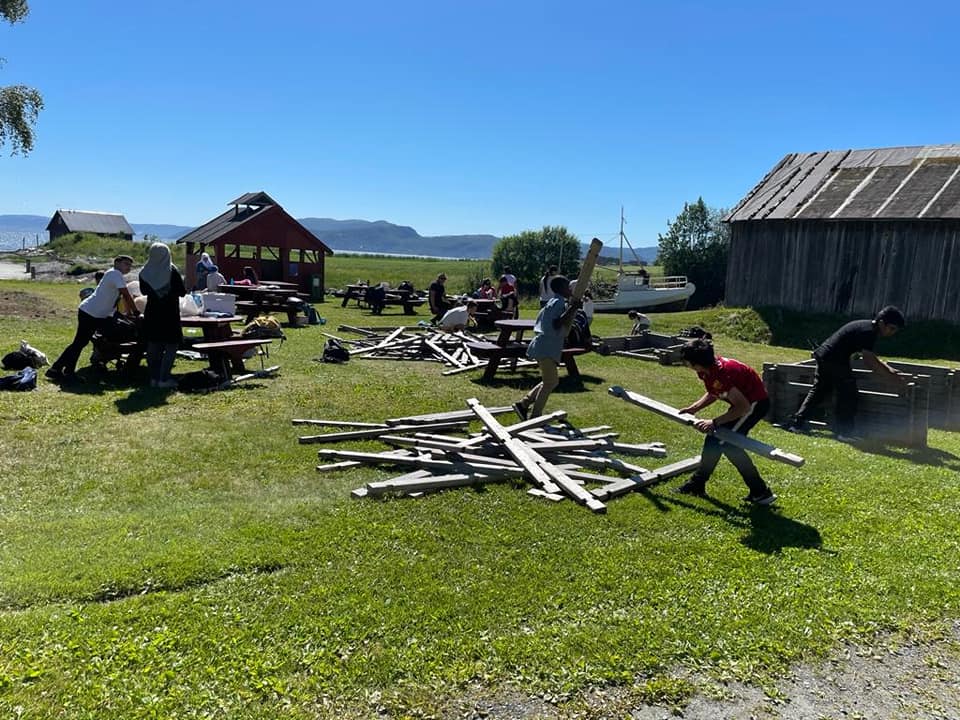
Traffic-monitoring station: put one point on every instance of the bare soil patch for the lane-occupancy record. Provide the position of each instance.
(14, 303)
(888, 680)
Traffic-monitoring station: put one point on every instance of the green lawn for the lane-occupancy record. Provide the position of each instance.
(178, 556)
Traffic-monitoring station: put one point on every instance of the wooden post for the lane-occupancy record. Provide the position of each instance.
(586, 269)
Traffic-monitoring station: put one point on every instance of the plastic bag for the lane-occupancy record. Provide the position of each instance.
(191, 305)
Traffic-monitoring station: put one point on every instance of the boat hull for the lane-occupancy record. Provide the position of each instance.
(649, 300)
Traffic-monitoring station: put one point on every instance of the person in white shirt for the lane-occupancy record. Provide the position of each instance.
(93, 314)
(459, 317)
(545, 292)
(215, 279)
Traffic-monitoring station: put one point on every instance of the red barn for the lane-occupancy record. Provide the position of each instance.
(259, 233)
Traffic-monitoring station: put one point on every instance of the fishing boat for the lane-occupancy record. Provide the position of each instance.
(637, 290)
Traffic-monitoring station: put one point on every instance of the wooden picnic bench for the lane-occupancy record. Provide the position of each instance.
(290, 306)
(409, 300)
(226, 356)
(495, 354)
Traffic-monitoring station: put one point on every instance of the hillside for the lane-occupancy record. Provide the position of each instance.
(363, 236)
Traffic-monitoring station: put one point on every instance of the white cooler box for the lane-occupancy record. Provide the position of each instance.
(219, 302)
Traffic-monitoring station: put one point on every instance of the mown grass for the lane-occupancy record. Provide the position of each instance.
(177, 555)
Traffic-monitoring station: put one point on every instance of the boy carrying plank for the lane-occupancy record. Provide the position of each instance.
(739, 385)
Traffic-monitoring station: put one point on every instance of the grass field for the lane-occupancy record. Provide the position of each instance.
(173, 555)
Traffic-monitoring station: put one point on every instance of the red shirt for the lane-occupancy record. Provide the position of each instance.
(728, 373)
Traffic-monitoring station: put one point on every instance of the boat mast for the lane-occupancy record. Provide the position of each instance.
(620, 268)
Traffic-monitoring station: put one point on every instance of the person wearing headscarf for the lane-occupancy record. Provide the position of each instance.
(163, 285)
(204, 268)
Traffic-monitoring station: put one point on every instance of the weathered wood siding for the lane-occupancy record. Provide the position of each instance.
(848, 267)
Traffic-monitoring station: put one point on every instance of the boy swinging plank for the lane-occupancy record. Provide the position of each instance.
(741, 387)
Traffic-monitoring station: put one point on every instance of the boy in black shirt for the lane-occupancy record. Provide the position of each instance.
(834, 371)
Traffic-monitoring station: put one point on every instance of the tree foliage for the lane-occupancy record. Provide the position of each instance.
(19, 105)
(696, 245)
(531, 252)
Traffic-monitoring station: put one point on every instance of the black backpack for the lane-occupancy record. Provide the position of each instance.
(334, 352)
(16, 360)
(579, 335)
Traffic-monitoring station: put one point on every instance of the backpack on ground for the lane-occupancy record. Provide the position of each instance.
(199, 381)
(264, 326)
(17, 360)
(334, 352)
(26, 379)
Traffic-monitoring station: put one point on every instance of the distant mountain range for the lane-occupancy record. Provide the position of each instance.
(361, 236)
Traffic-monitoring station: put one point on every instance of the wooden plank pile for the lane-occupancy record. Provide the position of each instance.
(943, 390)
(664, 349)
(415, 343)
(883, 413)
(438, 452)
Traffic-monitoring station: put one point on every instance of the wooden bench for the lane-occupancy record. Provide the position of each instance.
(226, 356)
(291, 307)
(495, 354)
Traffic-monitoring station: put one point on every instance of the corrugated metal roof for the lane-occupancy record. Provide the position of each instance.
(902, 183)
(93, 222)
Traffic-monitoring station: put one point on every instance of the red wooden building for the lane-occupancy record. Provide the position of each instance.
(257, 232)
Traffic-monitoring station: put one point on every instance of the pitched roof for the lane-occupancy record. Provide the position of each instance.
(253, 198)
(222, 224)
(236, 216)
(93, 222)
(902, 183)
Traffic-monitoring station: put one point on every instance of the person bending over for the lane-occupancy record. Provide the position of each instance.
(834, 372)
(93, 314)
(738, 385)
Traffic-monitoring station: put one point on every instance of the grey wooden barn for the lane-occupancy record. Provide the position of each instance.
(65, 222)
(850, 231)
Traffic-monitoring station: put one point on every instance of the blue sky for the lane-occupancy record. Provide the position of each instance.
(461, 117)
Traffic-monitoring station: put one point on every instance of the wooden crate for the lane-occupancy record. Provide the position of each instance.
(895, 417)
(664, 349)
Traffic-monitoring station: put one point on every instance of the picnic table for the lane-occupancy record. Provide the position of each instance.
(214, 328)
(511, 346)
(266, 298)
(407, 298)
(226, 356)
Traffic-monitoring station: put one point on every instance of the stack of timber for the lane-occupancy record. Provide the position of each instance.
(884, 413)
(414, 343)
(664, 349)
(438, 452)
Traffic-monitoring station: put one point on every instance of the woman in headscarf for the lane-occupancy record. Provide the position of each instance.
(204, 268)
(161, 282)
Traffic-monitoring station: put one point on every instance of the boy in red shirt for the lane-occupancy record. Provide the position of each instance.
(740, 386)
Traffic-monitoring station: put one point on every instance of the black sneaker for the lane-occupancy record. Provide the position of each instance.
(765, 498)
(692, 487)
(795, 425)
(520, 410)
(54, 373)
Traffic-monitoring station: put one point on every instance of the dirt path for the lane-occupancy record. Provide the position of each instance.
(890, 680)
(13, 271)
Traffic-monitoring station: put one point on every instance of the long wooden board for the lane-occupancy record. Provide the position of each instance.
(728, 436)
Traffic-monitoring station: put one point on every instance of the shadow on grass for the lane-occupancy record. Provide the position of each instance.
(525, 379)
(95, 381)
(769, 531)
(933, 457)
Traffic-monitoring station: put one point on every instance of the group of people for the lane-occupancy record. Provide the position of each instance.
(726, 379)
(505, 292)
(159, 323)
(209, 277)
(162, 286)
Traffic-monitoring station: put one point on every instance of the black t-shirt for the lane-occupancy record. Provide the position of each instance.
(851, 338)
(437, 291)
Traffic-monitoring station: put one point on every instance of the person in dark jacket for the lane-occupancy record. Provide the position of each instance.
(163, 286)
(834, 371)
